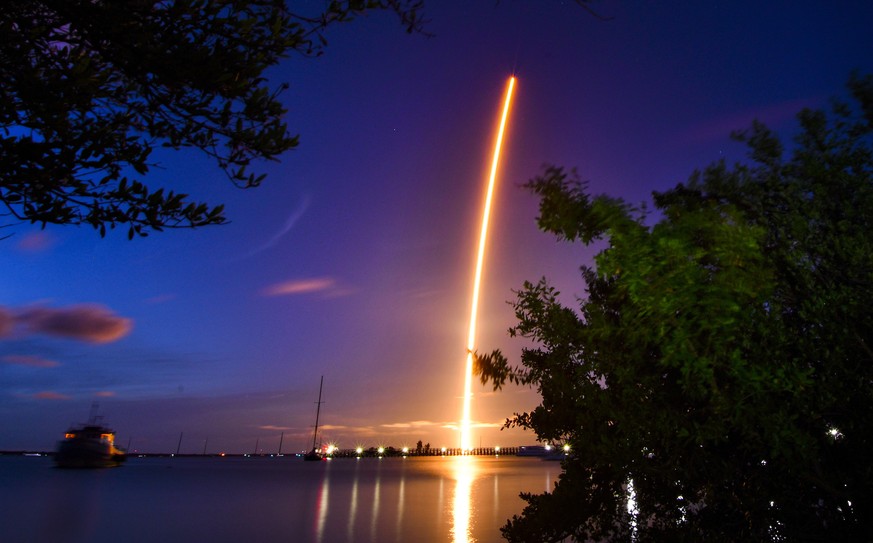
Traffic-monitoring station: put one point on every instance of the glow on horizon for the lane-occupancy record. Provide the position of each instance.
(466, 438)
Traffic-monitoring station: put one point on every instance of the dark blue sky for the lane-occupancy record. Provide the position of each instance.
(354, 259)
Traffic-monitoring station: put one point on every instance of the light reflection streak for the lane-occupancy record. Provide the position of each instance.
(401, 500)
(441, 501)
(322, 507)
(466, 438)
(374, 516)
(353, 505)
(462, 506)
(496, 496)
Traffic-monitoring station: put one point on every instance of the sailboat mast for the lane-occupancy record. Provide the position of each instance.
(317, 412)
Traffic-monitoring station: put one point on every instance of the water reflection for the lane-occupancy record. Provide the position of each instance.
(374, 516)
(401, 502)
(462, 505)
(323, 504)
(353, 502)
(462, 499)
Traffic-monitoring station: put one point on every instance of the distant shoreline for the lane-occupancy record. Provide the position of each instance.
(340, 453)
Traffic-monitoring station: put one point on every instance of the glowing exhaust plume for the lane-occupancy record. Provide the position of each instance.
(466, 438)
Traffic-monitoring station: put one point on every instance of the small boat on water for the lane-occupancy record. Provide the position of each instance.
(316, 453)
(545, 452)
(532, 450)
(89, 445)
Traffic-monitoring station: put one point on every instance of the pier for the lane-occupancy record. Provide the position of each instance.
(434, 451)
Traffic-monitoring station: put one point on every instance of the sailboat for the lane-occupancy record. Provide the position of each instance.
(316, 453)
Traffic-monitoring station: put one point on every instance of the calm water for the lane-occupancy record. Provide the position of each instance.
(460, 499)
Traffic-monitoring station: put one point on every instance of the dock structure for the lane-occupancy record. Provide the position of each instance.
(371, 452)
(433, 451)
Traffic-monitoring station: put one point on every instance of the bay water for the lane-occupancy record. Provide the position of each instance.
(283, 499)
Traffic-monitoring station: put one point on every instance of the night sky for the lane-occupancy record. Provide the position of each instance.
(354, 260)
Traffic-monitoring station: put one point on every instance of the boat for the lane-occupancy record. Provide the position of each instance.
(316, 454)
(89, 445)
(532, 450)
(545, 452)
(556, 455)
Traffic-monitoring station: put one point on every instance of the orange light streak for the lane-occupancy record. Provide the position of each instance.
(466, 438)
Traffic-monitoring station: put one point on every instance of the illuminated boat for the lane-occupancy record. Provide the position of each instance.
(532, 450)
(314, 455)
(89, 446)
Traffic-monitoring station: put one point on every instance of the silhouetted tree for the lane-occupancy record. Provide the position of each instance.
(89, 88)
(720, 366)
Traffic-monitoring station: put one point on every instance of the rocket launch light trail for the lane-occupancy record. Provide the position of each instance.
(466, 438)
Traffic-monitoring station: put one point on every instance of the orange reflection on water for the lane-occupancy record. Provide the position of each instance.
(465, 471)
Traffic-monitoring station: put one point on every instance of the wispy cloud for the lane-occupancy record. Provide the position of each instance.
(272, 428)
(87, 322)
(7, 321)
(356, 432)
(160, 299)
(292, 219)
(300, 286)
(36, 242)
(412, 424)
(104, 394)
(487, 424)
(28, 360)
(453, 425)
(50, 395)
(335, 427)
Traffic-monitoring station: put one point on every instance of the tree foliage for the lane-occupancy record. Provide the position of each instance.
(89, 89)
(720, 365)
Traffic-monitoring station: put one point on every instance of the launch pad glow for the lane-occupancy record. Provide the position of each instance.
(466, 438)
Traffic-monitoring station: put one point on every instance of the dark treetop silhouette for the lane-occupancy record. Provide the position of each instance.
(89, 89)
(721, 363)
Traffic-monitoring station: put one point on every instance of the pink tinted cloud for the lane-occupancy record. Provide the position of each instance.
(36, 242)
(104, 394)
(90, 323)
(7, 322)
(160, 299)
(412, 424)
(27, 360)
(300, 286)
(50, 395)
